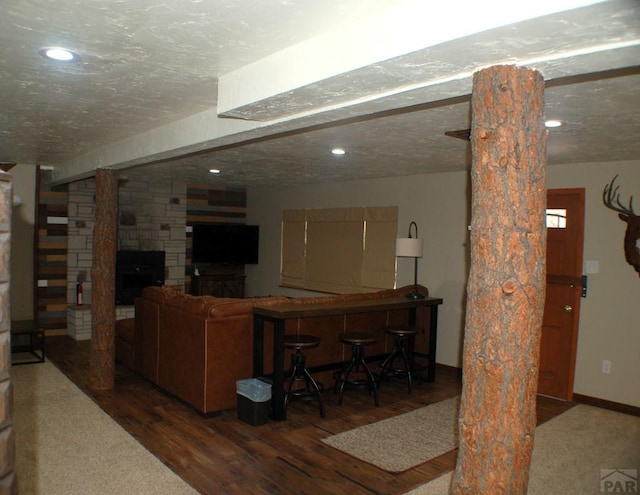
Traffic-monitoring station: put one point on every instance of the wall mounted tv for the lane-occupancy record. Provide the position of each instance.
(225, 243)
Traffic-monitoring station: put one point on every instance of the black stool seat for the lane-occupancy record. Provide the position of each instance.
(358, 338)
(298, 372)
(401, 331)
(301, 341)
(357, 341)
(402, 352)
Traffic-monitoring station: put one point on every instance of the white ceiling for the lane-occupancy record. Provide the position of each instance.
(263, 89)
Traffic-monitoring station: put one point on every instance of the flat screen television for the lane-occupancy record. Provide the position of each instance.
(225, 243)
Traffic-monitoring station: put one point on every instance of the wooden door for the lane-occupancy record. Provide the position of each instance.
(565, 236)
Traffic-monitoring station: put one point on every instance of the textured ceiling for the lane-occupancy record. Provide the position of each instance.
(143, 97)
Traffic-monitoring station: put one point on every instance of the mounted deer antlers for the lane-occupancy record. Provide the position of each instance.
(611, 199)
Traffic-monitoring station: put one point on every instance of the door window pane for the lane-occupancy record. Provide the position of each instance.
(556, 218)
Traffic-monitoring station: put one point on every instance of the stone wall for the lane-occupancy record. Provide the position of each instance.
(153, 218)
(81, 214)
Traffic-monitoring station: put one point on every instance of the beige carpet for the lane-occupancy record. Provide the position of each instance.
(569, 452)
(66, 445)
(404, 441)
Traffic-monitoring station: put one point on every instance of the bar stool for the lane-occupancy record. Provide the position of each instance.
(298, 372)
(402, 351)
(357, 341)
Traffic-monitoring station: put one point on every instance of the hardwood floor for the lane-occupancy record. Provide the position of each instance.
(224, 455)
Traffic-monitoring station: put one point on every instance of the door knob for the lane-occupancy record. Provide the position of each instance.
(567, 308)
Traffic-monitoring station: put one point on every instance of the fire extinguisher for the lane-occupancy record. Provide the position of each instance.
(79, 294)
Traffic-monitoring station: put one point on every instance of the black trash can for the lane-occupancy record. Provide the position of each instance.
(254, 401)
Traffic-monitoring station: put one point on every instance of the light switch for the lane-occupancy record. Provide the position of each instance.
(593, 266)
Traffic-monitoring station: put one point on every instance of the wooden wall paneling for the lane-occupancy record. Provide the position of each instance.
(50, 254)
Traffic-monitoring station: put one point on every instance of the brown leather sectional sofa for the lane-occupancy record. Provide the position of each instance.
(197, 347)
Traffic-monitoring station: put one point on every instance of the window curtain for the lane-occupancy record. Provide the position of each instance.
(339, 250)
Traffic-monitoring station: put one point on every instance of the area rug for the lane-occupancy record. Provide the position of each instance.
(66, 444)
(404, 441)
(573, 453)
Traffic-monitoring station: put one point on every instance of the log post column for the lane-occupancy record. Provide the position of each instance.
(103, 306)
(506, 286)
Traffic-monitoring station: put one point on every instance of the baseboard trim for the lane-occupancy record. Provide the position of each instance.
(579, 398)
(452, 370)
(582, 399)
(607, 404)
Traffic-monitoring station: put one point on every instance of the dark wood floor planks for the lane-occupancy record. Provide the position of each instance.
(221, 454)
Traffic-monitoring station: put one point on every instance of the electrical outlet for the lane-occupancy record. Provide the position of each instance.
(606, 366)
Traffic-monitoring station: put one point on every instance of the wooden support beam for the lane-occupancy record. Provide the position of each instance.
(103, 311)
(506, 286)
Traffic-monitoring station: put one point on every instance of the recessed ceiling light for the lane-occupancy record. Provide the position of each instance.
(553, 123)
(214, 171)
(338, 151)
(59, 54)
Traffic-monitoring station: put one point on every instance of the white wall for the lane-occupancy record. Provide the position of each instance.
(22, 224)
(439, 204)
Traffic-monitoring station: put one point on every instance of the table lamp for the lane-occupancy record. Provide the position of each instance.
(411, 247)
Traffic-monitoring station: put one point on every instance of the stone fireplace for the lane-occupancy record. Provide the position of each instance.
(152, 217)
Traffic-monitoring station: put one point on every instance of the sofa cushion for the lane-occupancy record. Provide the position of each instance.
(362, 296)
(233, 307)
(126, 329)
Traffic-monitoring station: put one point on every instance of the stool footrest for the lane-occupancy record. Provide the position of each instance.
(402, 354)
(310, 389)
(303, 393)
(356, 364)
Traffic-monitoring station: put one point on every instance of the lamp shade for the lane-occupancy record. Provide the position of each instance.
(408, 247)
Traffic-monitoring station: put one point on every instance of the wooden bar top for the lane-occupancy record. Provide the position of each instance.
(285, 311)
